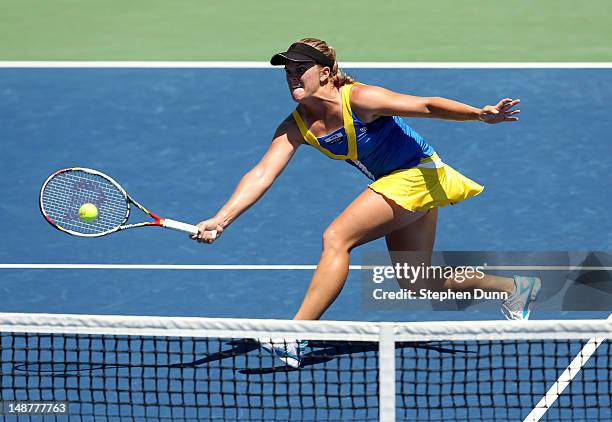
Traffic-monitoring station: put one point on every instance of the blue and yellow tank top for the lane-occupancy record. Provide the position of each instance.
(376, 148)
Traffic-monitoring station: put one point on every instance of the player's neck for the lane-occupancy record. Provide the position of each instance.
(325, 102)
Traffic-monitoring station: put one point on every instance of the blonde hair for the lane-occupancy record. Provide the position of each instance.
(338, 77)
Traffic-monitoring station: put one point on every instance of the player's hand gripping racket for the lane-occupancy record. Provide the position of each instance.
(85, 202)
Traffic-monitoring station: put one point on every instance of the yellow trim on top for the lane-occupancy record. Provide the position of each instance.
(349, 127)
(349, 124)
(306, 134)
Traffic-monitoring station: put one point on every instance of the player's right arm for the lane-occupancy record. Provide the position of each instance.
(256, 181)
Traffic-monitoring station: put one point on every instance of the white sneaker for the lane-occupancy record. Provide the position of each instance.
(288, 350)
(518, 304)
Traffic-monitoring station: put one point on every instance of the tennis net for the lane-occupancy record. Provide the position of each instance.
(169, 368)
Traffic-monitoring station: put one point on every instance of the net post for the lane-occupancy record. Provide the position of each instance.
(386, 373)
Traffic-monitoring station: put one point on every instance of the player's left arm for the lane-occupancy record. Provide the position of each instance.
(371, 102)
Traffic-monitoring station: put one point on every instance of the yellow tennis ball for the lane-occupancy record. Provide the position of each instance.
(88, 212)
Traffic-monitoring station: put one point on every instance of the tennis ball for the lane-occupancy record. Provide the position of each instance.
(88, 212)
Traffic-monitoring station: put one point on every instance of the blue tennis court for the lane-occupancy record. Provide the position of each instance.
(163, 134)
(158, 132)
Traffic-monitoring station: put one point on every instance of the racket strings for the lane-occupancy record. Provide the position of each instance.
(66, 192)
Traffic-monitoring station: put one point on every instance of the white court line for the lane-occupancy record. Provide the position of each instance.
(544, 268)
(156, 267)
(566, 377)
(26, 266)
(266, 65)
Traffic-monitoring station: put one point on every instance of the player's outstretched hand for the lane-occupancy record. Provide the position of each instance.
(502, 112)
(209, 231)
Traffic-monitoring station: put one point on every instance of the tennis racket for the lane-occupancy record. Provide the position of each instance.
(65, 191)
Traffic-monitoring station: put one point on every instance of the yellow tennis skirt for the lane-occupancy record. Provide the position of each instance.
(429, 185)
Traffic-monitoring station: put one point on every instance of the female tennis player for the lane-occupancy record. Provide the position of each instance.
(364, 126)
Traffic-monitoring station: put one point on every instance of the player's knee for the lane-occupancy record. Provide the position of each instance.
(333, 240)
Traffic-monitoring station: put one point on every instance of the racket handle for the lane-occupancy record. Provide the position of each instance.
(184, 227)
(177, 225)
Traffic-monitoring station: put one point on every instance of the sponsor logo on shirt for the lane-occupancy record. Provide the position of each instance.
(334, 139)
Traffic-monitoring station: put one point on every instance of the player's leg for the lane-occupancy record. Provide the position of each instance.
(370, 216)
(418, 239)
(413, 244)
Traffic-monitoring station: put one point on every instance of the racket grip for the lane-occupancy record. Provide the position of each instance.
(184, 227)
